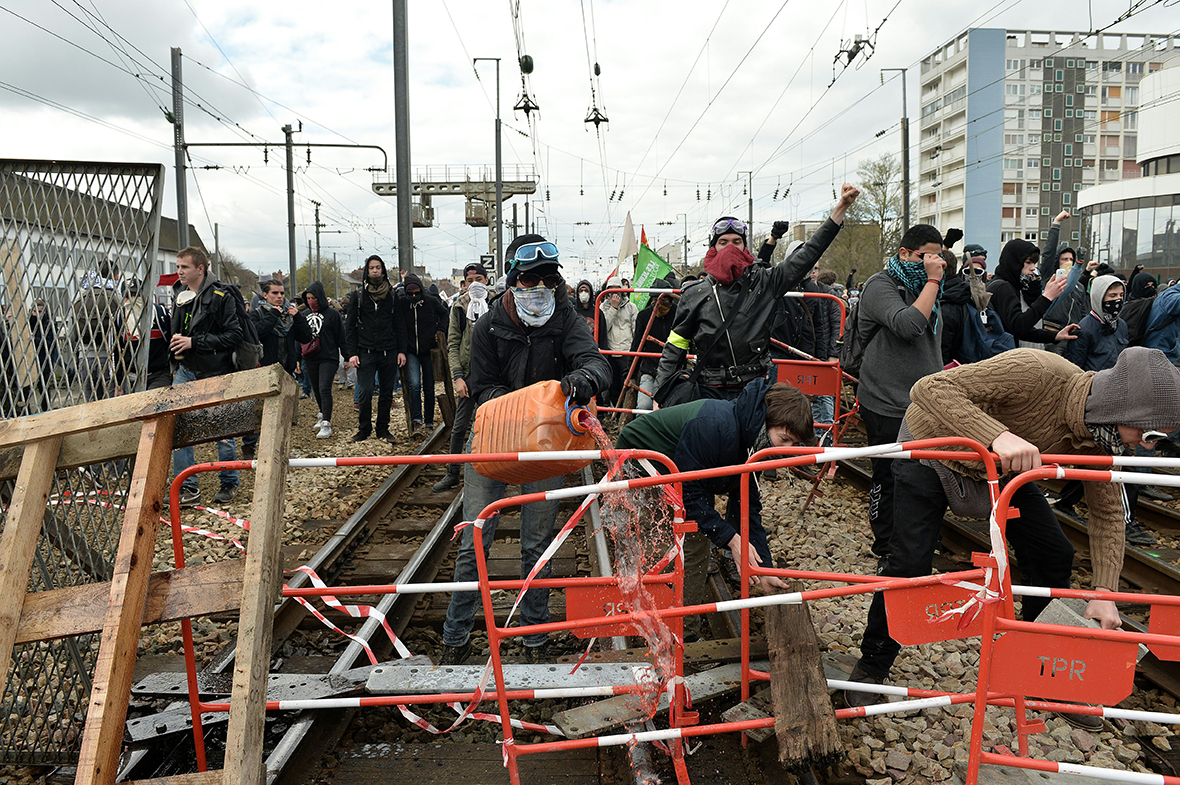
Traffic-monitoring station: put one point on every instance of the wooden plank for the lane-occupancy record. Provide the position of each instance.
(247, 716)
(18, 543)
(177, 594)
(215, 777)
(121, 441)
(102, 739)
(150, 404)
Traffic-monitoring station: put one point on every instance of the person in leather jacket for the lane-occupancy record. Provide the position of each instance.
(743, 354)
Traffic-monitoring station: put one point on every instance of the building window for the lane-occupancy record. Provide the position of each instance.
(1069, 113)
(1077, 137)
(1032, 236)
(1057, 127)
(1013, 138)
(1069, 100)
(1077, 186)
(1112, 67)
(1134, 68)
(1048, 111)
(1077, 162)
(1034, 138)
(1069, 149)
(1044, 186)
(1030, 212)
(1046, 161)
(1057, 137)
(1059, 75)
(1056, 174)
(1132, 96)
(1065, 198)
(1034, 89)
(1059, 88)
(1056, 186)
(1006, 236)
(1034, 114)
(1091, 65)
(1153, 67)
(1013, 65)
(1013, 163)
(1044, 211)
(1076, 236)
(1048, 62)
(1091, 89)
(1032, 163)
(1069, 63)
(1068, 162)
(1088, 138)
(1014, 89)
(1130, 121)
(1079, 88)
(1031, 188)
(1090, 114)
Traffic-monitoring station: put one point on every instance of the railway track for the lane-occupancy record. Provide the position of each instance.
(376, 523)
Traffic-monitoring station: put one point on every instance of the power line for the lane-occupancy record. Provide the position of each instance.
(227, 60)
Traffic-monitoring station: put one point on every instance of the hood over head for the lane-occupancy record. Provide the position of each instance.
(1099, 288)
(955, 291)
(413, 280)
(316, 289)
(1142, 285)
(1142, 390)
(1012, 258)
(1064, 249)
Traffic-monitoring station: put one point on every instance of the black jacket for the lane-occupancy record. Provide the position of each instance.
(370, 324)
(745, 354)
(1006, 296)
(953, 312)
(159, 357)
(211, 320)
(419, 320)
(280, 335)
(507, 356)
(660, 327)
(324, 323)
(590, 312)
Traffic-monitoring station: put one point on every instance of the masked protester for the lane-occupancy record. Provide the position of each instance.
(321, 353)
(422, 316)
(467, 309)
(730, 357)
(372, 349)
(582, 301)
(528, 335)
(1021, 298)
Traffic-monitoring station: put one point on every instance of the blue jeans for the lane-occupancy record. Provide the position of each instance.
(303, 379)
(536, 531)
(823, 408)
(182, 457)
(420, 371)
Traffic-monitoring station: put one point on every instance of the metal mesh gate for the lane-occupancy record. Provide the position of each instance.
(78, 269)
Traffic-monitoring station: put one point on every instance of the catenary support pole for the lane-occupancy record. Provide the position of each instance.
(178, 145)
(401, 126)
(287, 131)
(319, 273)
(218, 271)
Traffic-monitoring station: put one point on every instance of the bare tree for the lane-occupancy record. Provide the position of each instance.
(880, 202)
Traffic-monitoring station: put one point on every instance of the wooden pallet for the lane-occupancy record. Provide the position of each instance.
(134, 596)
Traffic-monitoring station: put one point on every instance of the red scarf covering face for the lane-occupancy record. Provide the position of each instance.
(728, 264)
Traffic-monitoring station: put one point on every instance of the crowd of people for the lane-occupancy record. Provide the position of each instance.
(1047, 351)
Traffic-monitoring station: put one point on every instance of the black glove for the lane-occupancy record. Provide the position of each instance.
(578, 385)
(779, 229)
(952, 236)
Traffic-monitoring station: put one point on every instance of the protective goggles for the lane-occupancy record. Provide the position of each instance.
(530, 252)
(728, 225)
(532, 280)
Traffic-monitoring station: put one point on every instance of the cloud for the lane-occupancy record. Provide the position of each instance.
(330, 66)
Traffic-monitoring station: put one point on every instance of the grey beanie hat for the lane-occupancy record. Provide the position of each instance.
(1142, 390)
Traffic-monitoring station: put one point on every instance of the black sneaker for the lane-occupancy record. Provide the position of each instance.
(1066, 508)
(226, 493)
(455, 655)
(854, 698)
(1155, 494)
(386, 435)
(1137, 535)
(360, 436)
(1087, 722)
(537, 655)
(189, 498)
(446, 483)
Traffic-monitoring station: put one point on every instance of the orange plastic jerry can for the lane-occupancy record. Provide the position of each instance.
(533, 419)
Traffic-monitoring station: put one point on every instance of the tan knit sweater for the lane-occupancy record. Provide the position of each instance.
(1039, 397)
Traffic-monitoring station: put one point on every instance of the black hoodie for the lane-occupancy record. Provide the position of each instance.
(370, 323)
(1142, 286)
(324, 323)
(1006, 295)
(590, 311)
(419, 318)
(956, 293)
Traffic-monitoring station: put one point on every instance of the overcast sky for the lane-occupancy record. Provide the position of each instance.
(695, 92)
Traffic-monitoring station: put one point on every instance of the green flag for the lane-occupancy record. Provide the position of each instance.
(648, 268)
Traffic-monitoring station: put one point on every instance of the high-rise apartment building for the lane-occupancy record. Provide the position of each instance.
(1013, 124)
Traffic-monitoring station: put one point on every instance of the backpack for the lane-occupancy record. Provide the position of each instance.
(850, 348)
(248, 352)
(983, 335)
(1136, 314)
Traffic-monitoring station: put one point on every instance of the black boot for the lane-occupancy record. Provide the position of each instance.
(449, 480)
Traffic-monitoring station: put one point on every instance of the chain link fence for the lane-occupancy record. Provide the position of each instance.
(78, 271)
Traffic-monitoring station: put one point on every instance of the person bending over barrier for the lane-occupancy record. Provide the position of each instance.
(706, 434)
(528, 335)
(1021, 403)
